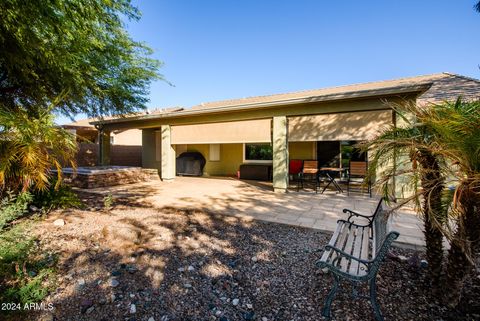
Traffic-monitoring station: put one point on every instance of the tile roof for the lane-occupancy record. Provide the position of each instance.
(445, 81)
(435, 88)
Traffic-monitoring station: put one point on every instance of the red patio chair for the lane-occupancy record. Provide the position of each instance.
(295, 168)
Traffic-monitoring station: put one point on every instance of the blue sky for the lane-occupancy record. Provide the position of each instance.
(216, 50)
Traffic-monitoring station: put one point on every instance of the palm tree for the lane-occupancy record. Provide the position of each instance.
(443, 141)
(457, 131)
(404, 152)
(30, 147)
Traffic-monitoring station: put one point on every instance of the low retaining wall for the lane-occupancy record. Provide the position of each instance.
(95, 177)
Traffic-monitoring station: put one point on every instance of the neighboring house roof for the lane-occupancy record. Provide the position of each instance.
(434, 88)
(82, 123)
(88, 122)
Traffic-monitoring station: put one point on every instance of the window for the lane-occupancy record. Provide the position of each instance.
(260, 153)
(350, 153)
(214, 153)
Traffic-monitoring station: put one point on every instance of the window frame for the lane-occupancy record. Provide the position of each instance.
(253, 161)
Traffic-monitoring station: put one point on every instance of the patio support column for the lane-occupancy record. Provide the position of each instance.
(168, 154)
(280, 154)
(103, 147)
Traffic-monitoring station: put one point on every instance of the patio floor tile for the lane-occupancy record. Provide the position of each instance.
(256, 200)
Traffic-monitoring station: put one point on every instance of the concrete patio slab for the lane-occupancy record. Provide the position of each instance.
(256, 200)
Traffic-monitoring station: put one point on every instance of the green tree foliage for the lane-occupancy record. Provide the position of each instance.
(443, 144)
(403, 155)
(457, 131)
(30, 147)
(74, 49)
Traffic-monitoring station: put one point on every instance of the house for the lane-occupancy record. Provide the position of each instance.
(126, 145)
(86, 132)
(313, 124)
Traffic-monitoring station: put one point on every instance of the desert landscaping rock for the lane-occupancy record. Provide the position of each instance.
(59, 222)
(114, 283)
(282, 283)
(133, 308)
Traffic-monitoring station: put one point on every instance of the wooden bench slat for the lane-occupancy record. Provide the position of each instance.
(365, 251)
(340, 243)
(344, 262)
(357, 250)
(332, 242)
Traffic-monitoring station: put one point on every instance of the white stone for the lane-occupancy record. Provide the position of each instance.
(235, 302)
(81, 281)
(249, 306)
(151, 319)
(264, 319)
(114, 283)
(402, 258)
(254, 259)
(59, 222)
(191, 268)
(133, 308)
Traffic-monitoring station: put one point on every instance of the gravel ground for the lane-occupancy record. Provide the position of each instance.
(136, 262)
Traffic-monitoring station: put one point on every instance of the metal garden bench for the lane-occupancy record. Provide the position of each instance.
(355, 252)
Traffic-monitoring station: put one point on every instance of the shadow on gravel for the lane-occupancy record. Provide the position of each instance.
(188, 264)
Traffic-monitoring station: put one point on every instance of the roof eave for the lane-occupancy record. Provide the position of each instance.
(304, 100)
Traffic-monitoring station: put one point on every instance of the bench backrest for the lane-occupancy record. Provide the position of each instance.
(379, 227)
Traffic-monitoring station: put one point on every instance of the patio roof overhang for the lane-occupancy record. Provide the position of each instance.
(329, 103)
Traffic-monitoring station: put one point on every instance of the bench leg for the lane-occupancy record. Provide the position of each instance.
(373, 300)
(331, 295)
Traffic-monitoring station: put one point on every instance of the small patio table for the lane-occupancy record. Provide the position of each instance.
(330, 178)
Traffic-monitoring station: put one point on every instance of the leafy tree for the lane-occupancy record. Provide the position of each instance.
(76, 49)
(30, 147)
(477, 6)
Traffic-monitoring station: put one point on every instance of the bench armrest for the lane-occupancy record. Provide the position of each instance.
(354, 224)
(346, 255)
(352, 214)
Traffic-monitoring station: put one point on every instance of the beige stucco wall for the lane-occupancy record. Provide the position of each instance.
(338, 126)
(231, 157)
(149, 149)
(131, 137)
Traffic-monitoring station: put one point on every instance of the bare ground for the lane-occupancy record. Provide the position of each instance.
(184, 264)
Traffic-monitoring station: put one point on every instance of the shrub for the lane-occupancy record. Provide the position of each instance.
(56, 196)
(12, 207)
(25, 277)
(108, 202)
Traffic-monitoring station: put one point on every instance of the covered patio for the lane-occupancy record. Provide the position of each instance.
(256, 200)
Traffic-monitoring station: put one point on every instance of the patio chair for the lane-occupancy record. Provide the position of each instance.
(358, 175)
(310, 173)
(295, 168)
